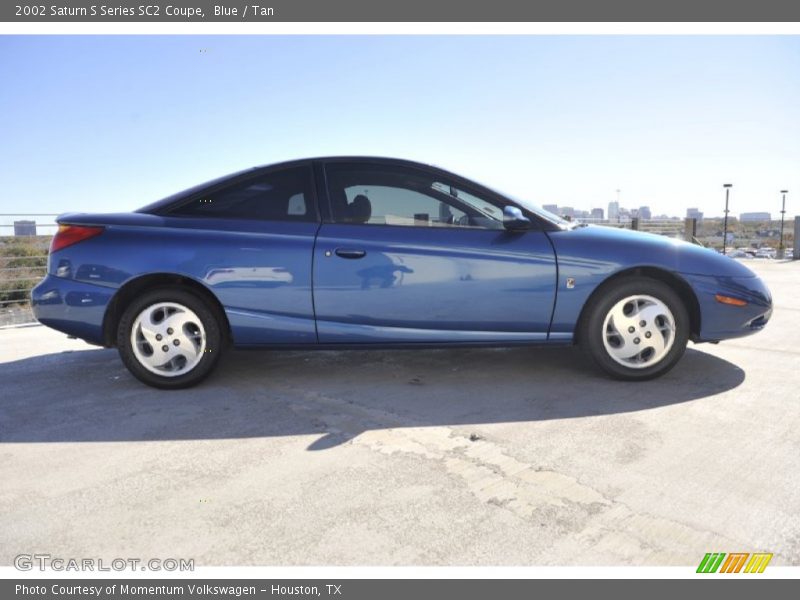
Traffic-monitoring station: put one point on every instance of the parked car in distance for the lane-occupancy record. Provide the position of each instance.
(740, 253)
(364, 252)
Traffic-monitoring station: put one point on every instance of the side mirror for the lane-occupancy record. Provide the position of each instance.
(514, 220)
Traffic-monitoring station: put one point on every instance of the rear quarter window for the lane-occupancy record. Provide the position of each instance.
(283, 195)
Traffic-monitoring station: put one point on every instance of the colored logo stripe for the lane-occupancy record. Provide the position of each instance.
(734, 562)
(758, 563)
(711, 562)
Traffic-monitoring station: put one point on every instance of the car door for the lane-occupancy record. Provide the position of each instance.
(410, 256)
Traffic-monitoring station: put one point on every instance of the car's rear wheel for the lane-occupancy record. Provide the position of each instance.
(169, 338)
(635, 328)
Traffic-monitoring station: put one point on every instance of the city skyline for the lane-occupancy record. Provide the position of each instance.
(100, 123)
(645, 212)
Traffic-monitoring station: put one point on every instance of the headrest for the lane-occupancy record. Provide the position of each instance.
(360, 209)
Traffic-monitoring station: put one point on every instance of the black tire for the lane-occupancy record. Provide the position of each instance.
(592, 331)
(207, 359)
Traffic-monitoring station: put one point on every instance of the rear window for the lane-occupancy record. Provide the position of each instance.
(283, 195)
(158, 206)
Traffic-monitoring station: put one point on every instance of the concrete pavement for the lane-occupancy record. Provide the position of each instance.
(459, 457)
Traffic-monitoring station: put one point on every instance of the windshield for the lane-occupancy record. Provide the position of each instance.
(487, 209)
(534, 208)
(539, 211)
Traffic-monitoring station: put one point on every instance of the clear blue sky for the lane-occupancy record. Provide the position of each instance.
(96, 123)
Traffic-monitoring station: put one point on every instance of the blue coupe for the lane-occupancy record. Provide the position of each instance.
(359, 252)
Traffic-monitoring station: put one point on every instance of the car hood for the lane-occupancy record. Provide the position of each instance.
(626, 248)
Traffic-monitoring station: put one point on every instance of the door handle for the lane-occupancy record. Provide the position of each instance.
(350, 253)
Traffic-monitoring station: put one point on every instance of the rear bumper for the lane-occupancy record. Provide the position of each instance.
(72, 307)
(722, 321)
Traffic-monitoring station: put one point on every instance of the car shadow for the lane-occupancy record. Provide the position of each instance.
(88, 396)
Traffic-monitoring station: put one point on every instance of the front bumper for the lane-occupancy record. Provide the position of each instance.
(73, 307)
(722, 321)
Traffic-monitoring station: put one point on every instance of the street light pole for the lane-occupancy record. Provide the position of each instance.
(781, 250)
(727, 187)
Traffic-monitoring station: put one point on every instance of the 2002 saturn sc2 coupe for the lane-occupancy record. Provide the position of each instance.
(355, 252)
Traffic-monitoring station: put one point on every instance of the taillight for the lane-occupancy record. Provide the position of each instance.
(72, 234)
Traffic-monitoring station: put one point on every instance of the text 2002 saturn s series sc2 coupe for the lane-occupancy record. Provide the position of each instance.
(372, 252)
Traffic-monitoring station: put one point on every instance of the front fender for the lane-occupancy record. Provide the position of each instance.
(589, 256)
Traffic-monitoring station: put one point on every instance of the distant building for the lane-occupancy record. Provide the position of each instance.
(566, 211)
(553, 208)
(24, 228)
(597, 213)
(755, 217)
(613, 211)
(644, 213)
(693, 213)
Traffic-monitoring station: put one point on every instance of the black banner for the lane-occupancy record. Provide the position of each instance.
(384, 589)
(405, 11)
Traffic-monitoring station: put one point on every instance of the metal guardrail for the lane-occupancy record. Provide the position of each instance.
(15, 293)
(15, 289)
(23, 221)
(683, 229)
(709, 232)
(24, 243)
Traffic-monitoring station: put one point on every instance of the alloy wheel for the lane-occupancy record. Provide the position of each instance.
(639, 331)
(168, 339)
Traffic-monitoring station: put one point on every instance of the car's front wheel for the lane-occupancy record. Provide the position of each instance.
(169, 338)
(635, 328)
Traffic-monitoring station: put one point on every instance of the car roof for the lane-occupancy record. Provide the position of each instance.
(358, 158)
